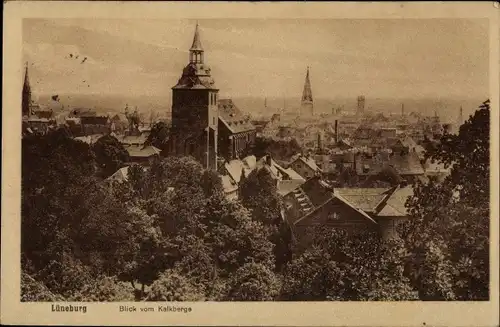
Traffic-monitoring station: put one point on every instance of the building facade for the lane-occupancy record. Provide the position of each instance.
(236, 134)
(316, 203)
(194, 109)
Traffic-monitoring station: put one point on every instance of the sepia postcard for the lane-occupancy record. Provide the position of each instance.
(246, 163)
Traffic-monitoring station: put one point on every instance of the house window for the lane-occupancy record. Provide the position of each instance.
(334, 216)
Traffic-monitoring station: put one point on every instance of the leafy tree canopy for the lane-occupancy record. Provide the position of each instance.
(449, 236)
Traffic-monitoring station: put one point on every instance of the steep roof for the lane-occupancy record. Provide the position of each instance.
(309, 161)
(394, 205)
(366, 199)
(317, 190)
(121, 175)
(287, 186)
(196, 46)
(233, 118)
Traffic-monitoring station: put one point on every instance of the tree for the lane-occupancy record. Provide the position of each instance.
(56, 174)
(35, 291)
(448, 238)
(253, 282)
(234, 237)
(159, 136)
(110, 154)
(259, 194)
(172, 286)
(389, 175)
(346, 266)
(105, 289)
(279, 149)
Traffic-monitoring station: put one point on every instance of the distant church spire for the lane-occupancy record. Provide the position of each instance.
(26, 97)
(196, 50)
(307, 99)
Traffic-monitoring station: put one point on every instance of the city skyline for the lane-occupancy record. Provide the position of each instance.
(346, 57)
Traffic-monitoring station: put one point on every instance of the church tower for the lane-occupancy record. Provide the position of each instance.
(306, 105)
(195, 109)
(26, 97)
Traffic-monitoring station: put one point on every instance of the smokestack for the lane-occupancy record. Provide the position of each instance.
(336, 131)
(319, 141)
(402, 109)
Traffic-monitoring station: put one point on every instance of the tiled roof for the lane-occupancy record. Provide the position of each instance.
(366, 199)
(134, 139)
(135, 151)
(310, 163)
(408, 164)
(287, 186)
(233, 118)
(394, 204)
(317, 191)
(236, 167)
(292, 174)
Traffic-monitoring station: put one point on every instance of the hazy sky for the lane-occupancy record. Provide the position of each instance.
(255, 57)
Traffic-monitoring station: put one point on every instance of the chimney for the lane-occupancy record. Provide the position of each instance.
(269, 161)
(319, 141)
(336, 131)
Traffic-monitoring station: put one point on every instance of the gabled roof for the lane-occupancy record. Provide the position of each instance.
(309, 162)
(236, 167)
(233, 118)
(366, 199)
(121, 175)
(368, 202)
(287, 186)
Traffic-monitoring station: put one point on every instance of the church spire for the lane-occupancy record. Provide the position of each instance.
(307, 93)
(26, 96)
(307, 99)
(196, 50)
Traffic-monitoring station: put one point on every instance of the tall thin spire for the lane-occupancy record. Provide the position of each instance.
(26, 96)
(196, 46)
(196, 50)
(307, 93)
(307, 99)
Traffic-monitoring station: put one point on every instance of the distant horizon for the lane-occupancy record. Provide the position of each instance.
(465, 98)
(347, 57)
